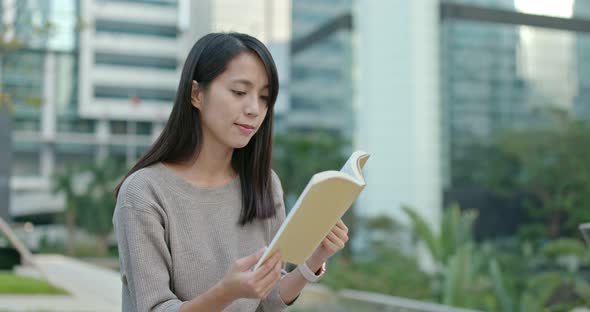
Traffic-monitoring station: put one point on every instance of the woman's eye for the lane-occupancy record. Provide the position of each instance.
(239, 93)
(264, 98)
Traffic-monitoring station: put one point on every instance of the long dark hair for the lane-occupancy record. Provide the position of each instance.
(182, 135)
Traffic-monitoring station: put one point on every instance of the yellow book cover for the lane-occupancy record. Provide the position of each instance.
(325, 199)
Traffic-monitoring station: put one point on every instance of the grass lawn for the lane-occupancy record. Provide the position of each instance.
(11, 283)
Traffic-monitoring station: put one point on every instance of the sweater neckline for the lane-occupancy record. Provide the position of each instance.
(202, 194)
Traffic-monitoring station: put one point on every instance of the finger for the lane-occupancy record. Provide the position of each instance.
(267, 266)
(342, 226)
(263, 270)
(271, 279)
(274, 274)
(335, 240)
(248, 261)
(340, 233)
(265, 285)
(328, 244)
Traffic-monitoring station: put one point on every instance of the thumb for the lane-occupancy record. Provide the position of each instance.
(248, 261)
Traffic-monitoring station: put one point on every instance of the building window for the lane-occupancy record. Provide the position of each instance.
(153, 2)
(75, 125)
(26, 164)
(136, 61)
(105, 26)
(27, 122)
(22, 80)
(128, 93)
(119, 127)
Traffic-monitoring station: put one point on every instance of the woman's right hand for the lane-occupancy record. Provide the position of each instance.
(241, 282)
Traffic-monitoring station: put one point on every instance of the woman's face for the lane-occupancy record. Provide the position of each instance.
(234, 105)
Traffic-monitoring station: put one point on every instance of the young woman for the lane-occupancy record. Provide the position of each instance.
(196, 211)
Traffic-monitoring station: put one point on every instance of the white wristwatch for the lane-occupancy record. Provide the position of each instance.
(309, 275)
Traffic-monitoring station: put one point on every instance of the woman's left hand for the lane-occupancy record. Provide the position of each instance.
(333, 242)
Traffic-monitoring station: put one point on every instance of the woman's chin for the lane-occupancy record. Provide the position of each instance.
(240, 144)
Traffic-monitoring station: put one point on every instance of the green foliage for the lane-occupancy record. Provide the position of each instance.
(298, 156)
(505, 301)
(63, 183)
(456, 231)
(381, 267)
(506, 277)
(425, 233)
(548, 163)
(564, 246)
(91, 205)
(463, 283)
(99, 200)
(457, 279)
(389, 272)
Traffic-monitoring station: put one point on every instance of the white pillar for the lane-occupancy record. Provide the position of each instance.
(48, 118)
(103, 133)
(397, 106)
(131, 142)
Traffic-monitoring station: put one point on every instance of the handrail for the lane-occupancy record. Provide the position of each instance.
(25, 254)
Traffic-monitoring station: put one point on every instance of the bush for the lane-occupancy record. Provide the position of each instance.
(390, 272)
(9, 258)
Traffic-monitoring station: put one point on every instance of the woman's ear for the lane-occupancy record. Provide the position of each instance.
(196, 95)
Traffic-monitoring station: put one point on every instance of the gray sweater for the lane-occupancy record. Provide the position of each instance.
(177, 240)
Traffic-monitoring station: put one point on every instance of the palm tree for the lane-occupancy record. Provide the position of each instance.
(458, 263)
(98, 203)
(63, 183)
(456, 231)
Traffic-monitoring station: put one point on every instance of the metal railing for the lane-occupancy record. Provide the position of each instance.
(316, 298)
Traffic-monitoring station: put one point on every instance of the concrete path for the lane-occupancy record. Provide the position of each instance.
(91, 288)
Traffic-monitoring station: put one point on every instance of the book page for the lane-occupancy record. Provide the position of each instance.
(354, 165)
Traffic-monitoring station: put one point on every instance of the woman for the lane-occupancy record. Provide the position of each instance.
(195, 212)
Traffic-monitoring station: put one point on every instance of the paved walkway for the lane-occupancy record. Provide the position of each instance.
(91, 288)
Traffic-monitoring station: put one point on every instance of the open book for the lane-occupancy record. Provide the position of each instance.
(325, 199)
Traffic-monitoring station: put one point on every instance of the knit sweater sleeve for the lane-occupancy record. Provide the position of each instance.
(143, 254)
(273, 301)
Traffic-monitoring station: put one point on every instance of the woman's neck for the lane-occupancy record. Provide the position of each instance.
(209, 168)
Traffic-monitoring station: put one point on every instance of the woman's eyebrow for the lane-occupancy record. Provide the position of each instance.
(243, 81)
(247, 82)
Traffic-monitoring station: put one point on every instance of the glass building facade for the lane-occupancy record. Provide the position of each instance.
(44, 50)
(498, 75)
(41, 77)
(321, 69)
(84, 90)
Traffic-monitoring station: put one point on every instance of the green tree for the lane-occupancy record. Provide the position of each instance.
(97, 205)
(456, 231)
(63, 183)
(501, 277)
(550, 164)
(298, 156)
(457, 278)
(542, 279)
(380, 266)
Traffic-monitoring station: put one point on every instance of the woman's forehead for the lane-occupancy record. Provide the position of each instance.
(247, 69)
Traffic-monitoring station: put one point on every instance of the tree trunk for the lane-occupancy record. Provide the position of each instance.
(555, 224)
(71, 228)
(5, 160)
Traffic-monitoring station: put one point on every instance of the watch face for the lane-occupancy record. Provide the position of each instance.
(585, 229)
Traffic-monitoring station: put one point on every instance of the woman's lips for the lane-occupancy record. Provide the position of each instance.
(245, 129)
